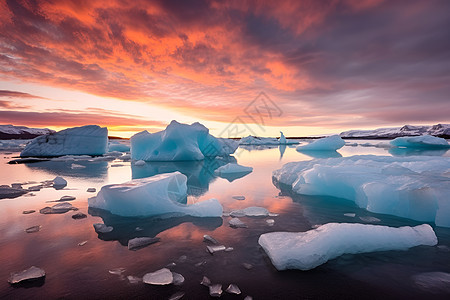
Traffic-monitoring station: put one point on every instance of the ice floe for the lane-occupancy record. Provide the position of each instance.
(85, 140)
(102, 228)
(160, 277)
(307, 250)
(9, 192)
(159, 194)
(412, 187)
(237, 223)
(32, 273)
(331, 143)
(179, 142)
(252, 211)
(232, 171)
(424, 141)
(59, 182)
(141, 242)
(59, 208)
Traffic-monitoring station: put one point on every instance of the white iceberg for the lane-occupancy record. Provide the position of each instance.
(330, 143)
(85, 140)
(179, 142)
(231, 168)
(411, 187)
(307, 250)
(160, 277)
(282, 139)
(159, 194)
(424, 141)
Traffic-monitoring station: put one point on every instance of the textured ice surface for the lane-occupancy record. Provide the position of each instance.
(89, 140)
(331, 143)
(178, 279)
(208, 238)
(307, 250)
(232, 169)
(233, 289)
(179, 142)
(102, 228)
(425, 141)
(412, 187)
(253, 211)
(160, 277)
(28, 274)
(215, 290)
(236, 223)
(159, 194)
(215, 248)
(141, 242)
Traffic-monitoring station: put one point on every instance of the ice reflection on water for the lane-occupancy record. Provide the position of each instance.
(82, 271)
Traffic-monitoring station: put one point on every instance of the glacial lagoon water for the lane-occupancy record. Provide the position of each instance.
(100, 266)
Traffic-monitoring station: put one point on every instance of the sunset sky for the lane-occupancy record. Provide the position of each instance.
(323, 66)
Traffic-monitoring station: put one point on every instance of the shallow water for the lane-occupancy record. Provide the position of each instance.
(83, 271)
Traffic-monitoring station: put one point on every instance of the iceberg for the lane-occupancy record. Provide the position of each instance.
(307, 250)
(423, 142)
(330, 143)
(85, 140)
(179, 142)
(282, 139)
(411, 187)
(159, 194)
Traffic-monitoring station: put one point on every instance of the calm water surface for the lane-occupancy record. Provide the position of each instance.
(75, 272)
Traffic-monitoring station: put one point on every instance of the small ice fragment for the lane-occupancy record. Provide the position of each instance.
(248, 298)
(139, 163)
(26, 212)
(117, 271)
(199, 264)
(351, 215)
(253, 211)
(369, 219)
(160, 277)
(236, 223)
(76, 166)
(141, 242)
(233, 289)
(208, 238)
(247, 266)
(28, 274)
(205, 281)
(79, 215)
(182, 258)
(59, 182)
(133, 279)
(273, 215)
(91, 190)
(229, 249)
(237, 213)
(215, 248)
(33, 229)
(59, 208)
(178, 279)
(171, 265)
(239, 197)
(82, 243)
(67, 198)
(139, 228)
(215, 290)
(176, 296)
(270, 222)
(102, 228)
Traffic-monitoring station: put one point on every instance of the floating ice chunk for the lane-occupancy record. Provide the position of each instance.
(282, 139)
(141, 242)
(215, 290)
(59, 208)
(82, 243)
(273, 215)
(90, 140)
(233, 289)
(160, 277)
(411, 187)
(67, 198)
(117, 271)
(351, 215)
(307, 250)
(178, 279)
(433, 282)
(26, 212)
(91, 190)
(229, 249)
(159, 194)
(215, 248)
(9, 192)
(236, 223)
(208, 238)
(79, 216)
(239, 197)
(270, 222)
(76, 166)
(232, 169)
(177, 296)
(29, 274)
(102, 228)
(33, 229)
(139, 163)
(205, 281)
(252, 211)
(331, 143)
(133, 279)
(59, 183)
(424, 141)
(179, 142)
